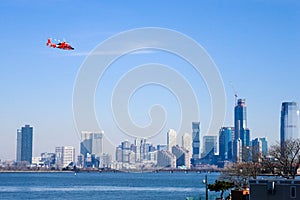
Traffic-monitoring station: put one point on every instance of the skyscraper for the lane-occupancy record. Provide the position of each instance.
(196, 140)
(209, 143)
(24, 144)
(289, 121)
(259, 149)
(171, 139)
(264, 143)
(240, 120)
(182, 156)
(119, 156)
(125, 151)
(137, 143)
(187, 143)
(65, 155)
(19, 145)
(144, 149)
(225, 143)
(92, 144)
(256, 150)
(166, 159)
(241, 132)
(237, 151)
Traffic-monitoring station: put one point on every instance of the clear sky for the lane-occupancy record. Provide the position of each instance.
(255, 45)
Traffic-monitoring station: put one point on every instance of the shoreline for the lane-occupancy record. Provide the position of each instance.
(107, 171)
(100, 170)
(33, 171)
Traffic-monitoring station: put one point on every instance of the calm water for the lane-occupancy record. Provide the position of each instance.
(123, 186)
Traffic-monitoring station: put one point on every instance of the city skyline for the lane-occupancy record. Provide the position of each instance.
(91, 144)
(142, 153)
(255, 46)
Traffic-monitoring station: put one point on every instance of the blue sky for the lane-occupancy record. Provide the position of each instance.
(255, 44)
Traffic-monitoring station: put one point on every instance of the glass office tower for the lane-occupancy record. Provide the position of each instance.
(196, 140)
(24, 144)
(225, 143)
(91, 147)
(289, 121)
(241, 142)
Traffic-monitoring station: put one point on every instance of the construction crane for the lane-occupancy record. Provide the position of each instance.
(235, 93)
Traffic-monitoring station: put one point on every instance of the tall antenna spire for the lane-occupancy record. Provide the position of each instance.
(235, 93)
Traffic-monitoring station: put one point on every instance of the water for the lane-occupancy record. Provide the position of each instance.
(123, 186)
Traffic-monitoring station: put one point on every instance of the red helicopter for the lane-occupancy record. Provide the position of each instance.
(60, 45)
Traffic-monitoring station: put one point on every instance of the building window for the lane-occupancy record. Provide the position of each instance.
(293, 192)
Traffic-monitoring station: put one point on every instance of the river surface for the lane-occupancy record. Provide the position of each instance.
(125, 186)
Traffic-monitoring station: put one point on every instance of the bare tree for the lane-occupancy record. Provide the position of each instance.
(240, 173)
(269, 165)
(287, 156)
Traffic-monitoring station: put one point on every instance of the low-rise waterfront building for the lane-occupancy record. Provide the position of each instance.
(275, 189)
